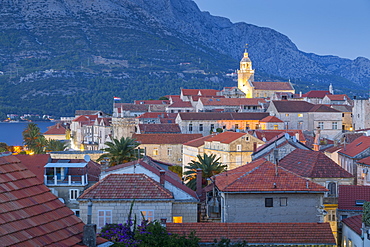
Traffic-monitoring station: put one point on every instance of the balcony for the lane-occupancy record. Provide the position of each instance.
(66, 174)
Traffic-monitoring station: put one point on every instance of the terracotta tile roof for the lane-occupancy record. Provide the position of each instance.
(311, 164)
(189, 92)
(127, 186)
(333, 149)
(57, 129)
(342, 108)
(180, 104)
(231, 101)
(263, 85)
(154, 115)
(356, 147)
(316, 94)
(35, 163)
(364, 161)
(258, 233)
(85, 118)
(322, 108)
(174, 97)
(131, 107)
(292, 106)
(151, 165)
(199, 141)
(106, 121)
(159, 128)
(355, 223)
(270, 134)
(30, 215)
(338, 97)
(226, 137)
(165, 138)
(222, 115)
(260, 175)
(271, 119)
(348, 194)
(152, 102)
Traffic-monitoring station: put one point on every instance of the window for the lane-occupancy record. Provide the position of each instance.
(247, 127)
(73, 194)
(212, 126)
(169, 151)
(332, 187)
(300, 115)
(76, 212)
(334, 125)
(321, 125)
(190, 127)
(331, 215)
(269, 202)
(257, 126)
(238, 147)
(104, 217)
(287, 114)
(200, 127)
(177, 219)
(155, 151)
(276, 127)
(236, 126)
(148, 215)
(283, 201)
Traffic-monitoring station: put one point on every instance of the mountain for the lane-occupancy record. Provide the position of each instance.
(60, 55)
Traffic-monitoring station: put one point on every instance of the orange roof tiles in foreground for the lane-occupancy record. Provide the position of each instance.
(30, 215)
(262, 176)
(258, 233)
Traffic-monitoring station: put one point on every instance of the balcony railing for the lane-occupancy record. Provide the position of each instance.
(68, 180)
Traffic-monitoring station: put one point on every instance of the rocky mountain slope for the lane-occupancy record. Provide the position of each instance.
(61, 55)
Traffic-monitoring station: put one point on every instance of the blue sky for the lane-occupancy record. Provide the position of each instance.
(324, 27)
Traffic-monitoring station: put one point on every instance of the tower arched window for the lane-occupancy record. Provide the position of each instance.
(332, 187)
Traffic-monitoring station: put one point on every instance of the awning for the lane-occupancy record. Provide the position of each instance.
(65, 165)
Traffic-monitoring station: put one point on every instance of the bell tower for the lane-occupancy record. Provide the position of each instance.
(246, 75)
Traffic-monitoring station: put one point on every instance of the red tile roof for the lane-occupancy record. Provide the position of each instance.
(356, 147)
(364, 161)
(338, 97)
(151, 165)
(202, 92)
(30, 215)
(271, 119)
(263, 85)
(127, 186)
(260, 175)
(57, 129)
(311, 164)
(226, 137)
(157, 115)
(292, 106)
(199, 141)
(270, 134)
(231, 101)
(222, 115)
(316, 94)
(180, 104)
(165, 138)
(132, 107)
(355, 223)
(322, 108)
(258, 233)
(35, 163)
(189, 92)
(152, 102)
(348, 194)
(159, 128)
(85, 118)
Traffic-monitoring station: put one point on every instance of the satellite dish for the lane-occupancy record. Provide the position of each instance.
(87, 158)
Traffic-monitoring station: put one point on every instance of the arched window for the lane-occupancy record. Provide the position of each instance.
(332, 187)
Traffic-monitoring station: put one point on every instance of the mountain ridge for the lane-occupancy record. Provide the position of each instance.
(150, 38)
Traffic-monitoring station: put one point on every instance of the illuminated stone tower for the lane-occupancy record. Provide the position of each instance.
(246, 75)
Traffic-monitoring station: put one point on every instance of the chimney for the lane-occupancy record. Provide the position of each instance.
(89, 231)
(161, 177)
(254, 146)
(199, 181)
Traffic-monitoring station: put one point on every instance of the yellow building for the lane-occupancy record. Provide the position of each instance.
(234, 148)
(254, 89)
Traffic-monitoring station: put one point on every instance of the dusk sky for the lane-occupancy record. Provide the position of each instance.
(324, 27)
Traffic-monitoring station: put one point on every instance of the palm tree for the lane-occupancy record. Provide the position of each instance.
(32, 137)
(55, 145)
(120, 151)
(210, 166)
